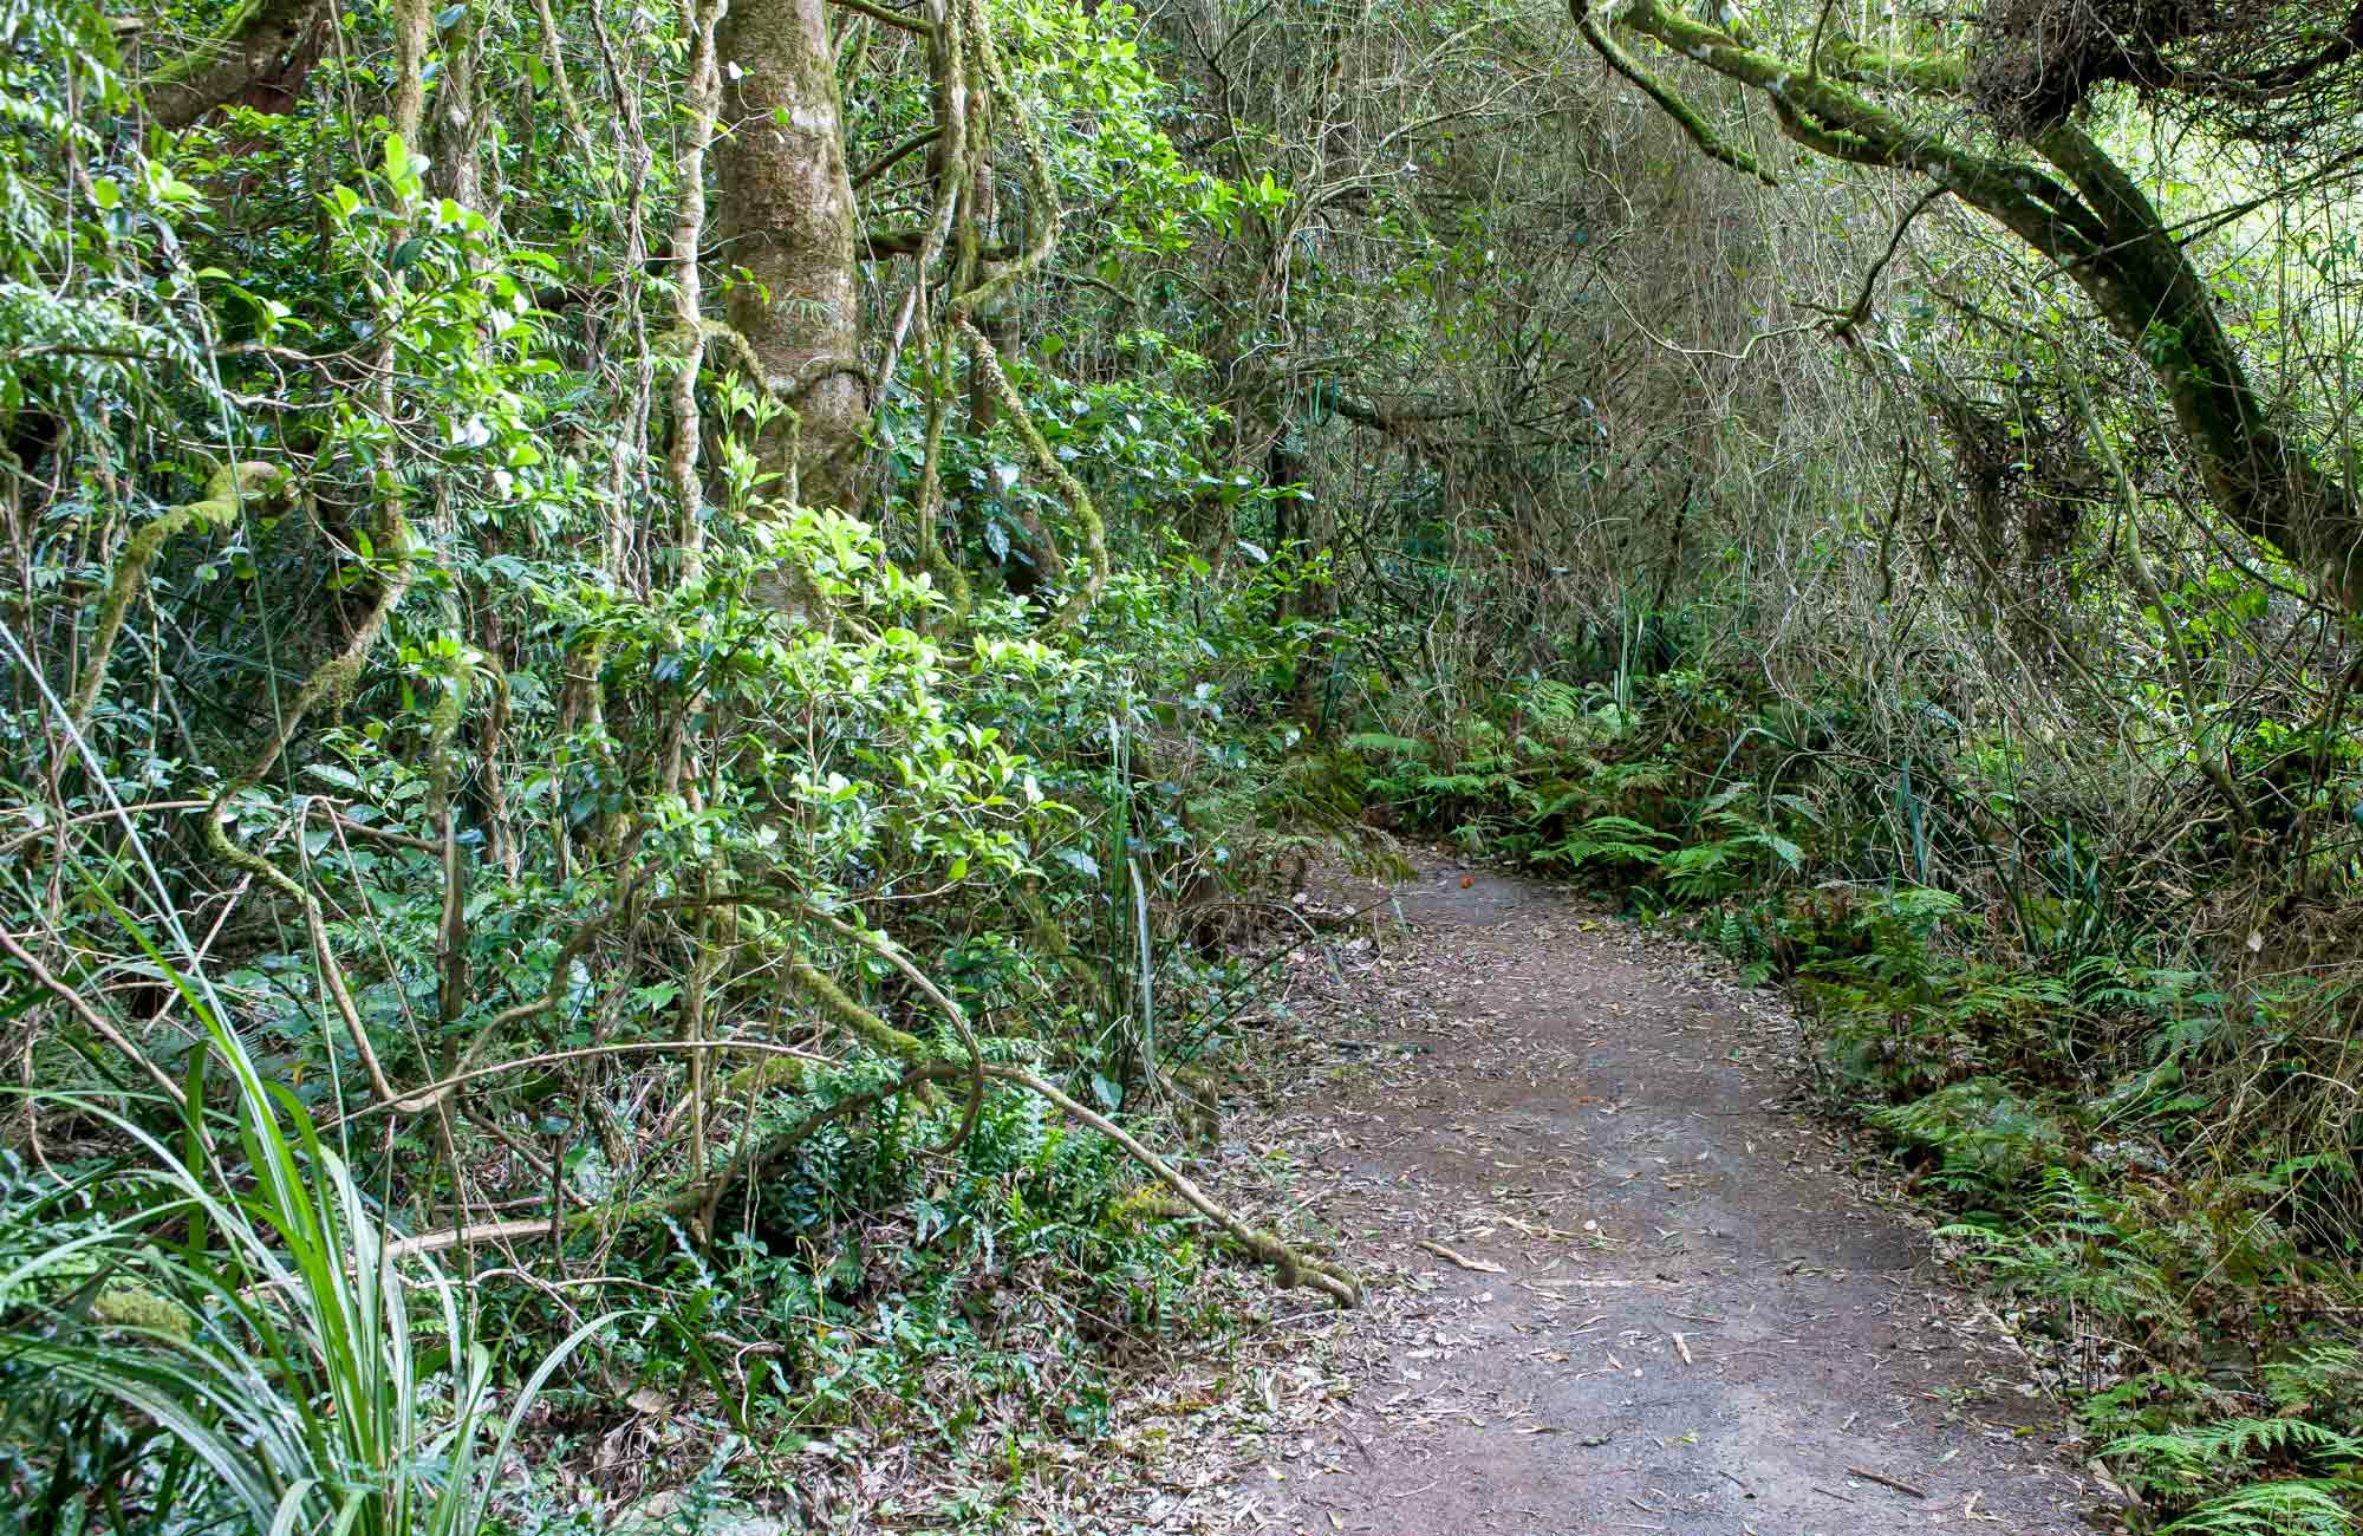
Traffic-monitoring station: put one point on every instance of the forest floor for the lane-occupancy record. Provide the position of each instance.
(1622, 1279)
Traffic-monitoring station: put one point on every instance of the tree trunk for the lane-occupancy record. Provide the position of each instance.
(2142, 282)
(2101, 230)
(786, 217)
(259, 57)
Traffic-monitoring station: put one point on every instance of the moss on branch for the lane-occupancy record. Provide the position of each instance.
(226, 490)
(1711, 143)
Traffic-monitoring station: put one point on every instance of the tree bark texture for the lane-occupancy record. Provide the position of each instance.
(259, 55)
(787, 224)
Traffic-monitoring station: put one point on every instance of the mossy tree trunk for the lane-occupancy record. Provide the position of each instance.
(786, 218)
(2141, 280)
(259, 55)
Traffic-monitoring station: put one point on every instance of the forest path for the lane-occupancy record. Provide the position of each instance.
(1701, 1321)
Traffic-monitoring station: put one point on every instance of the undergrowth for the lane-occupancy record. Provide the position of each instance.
(2136, 1119)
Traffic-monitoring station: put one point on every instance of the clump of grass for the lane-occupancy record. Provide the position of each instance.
(220, 1331)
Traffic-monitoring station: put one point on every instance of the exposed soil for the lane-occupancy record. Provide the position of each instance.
(1658, 1298)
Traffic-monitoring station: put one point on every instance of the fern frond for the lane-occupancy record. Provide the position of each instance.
(2293, 1507)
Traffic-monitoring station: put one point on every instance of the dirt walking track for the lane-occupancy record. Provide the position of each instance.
(1633, 1288)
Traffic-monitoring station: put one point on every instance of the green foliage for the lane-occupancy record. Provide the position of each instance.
(1987, 983)
(1986, 1134)
(1611, 840)
(586, 828)
(2294, 1471)
(477, 741)
(2282, 1507)
(2236, 1456)
(283, 1365)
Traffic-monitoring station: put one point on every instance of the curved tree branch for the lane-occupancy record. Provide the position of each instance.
(262, 45)
(2104, 233)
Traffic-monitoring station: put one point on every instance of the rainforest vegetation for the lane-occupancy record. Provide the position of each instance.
(668, 667)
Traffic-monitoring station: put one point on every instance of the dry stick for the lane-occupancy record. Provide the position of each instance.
(2213, 766)
(109, 814)
(470, 1235)
(1854, 315)
(451, 937)
(96, 1022)
(882, 14)
(420, 1097)
(704, 966)
(334, 676)
(1292, 1268)
(419, 1100)
(1884, 1481)
(701, 18)
(716, 1185)
(550, 1174)
(680, 1202)
(329, 679)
